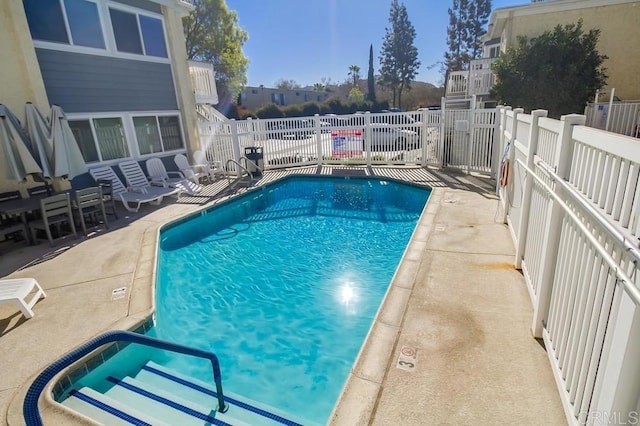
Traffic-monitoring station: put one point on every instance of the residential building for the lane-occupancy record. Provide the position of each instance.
(254, 98)
(617, 21)
(118, 68)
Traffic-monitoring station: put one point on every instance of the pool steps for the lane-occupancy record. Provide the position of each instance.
(157, 392)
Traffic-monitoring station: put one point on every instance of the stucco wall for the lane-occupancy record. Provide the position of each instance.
(21, 79)
(182, 80)
(619, 37)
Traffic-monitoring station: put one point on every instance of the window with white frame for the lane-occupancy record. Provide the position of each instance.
(105, 139)
(80, 23)
(74, 22)
(137, 33)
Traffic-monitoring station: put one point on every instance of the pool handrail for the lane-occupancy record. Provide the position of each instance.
(231, 160)
(30, 409)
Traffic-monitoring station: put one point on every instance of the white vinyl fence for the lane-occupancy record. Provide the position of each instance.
(621, 117)
(571, 198)
(464, 139)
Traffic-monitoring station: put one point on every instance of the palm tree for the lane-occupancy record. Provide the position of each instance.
(354, 73)
(318, 87)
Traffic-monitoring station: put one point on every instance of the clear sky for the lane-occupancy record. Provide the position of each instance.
(306, 40)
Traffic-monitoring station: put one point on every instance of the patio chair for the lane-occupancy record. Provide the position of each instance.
(89, 204)
(211, 168)
(15, 291)
(131, 200)
(137, 181)
(11, 225)
(159, 175)
(189, 171)
(55, 211)
(106, 186)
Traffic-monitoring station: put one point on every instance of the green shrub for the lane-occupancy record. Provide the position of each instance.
(270, 111)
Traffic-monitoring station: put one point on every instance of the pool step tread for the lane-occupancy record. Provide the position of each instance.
(241, 408)
(165, 405)
(106, 410)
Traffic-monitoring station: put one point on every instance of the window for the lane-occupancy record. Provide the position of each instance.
(47, 22)
(147, 134)
(158, 134)
(128, 28)
(109, 142)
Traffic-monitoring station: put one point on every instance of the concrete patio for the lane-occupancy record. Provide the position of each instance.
(457, 302)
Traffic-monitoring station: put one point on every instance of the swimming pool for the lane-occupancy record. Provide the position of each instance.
(283, 284)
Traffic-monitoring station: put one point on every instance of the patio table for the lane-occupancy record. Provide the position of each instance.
(22, 206)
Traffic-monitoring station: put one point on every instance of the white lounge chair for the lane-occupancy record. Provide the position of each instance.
(189, 171)
(131, 200)
(211, 168)
(137, 181)
(15, 291)
(159, 175)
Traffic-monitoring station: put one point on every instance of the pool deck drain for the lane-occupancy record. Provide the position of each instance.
(475, 362)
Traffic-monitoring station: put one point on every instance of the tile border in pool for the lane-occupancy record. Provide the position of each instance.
(356, 402)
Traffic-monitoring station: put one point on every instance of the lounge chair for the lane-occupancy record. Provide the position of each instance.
(15, 291)
(131, 200)
(137, 181)
(189, 171)
(211, 168)
(159, 175)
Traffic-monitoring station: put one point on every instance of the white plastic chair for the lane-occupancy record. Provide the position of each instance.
(131, 200)
(187, 169)
(158, 174)
(15, 291)
(210, 168)
(137, 181)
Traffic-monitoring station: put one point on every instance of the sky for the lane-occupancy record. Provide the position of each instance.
(308, 40)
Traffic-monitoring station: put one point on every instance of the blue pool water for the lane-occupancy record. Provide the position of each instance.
(283, 284)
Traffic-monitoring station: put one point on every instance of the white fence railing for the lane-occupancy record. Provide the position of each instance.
(407, 138)
(571, 198)
(621, 117)
(203, 82)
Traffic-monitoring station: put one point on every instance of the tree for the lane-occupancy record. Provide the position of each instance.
(287, 84)
(318, 87)
(355, 95)
(371, 82)
(467, 19)
(354, 73)
(557, 71)
(213, 35)
(399, 57)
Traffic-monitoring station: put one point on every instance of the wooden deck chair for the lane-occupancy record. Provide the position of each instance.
(15, 291)
(159, 175)
(131, 200)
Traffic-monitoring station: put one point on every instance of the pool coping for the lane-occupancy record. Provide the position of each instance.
(359, 394)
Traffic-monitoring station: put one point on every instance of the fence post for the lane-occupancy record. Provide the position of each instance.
(532, 149)
(424, 137)
(368, 136)
(443, 119)
(553, 228)
(511, 155)
(235, 143)
(470, 132)
(318, 130)
(496, 146)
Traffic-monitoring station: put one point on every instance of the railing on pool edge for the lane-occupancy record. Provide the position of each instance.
(30, 406)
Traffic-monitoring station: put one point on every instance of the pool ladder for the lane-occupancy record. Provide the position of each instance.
(251, 177)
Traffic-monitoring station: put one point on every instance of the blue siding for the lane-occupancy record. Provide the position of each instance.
(90, 83)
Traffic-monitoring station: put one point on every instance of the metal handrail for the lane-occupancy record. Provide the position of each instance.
(231, 160)
(253, 163)
(30, 407)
